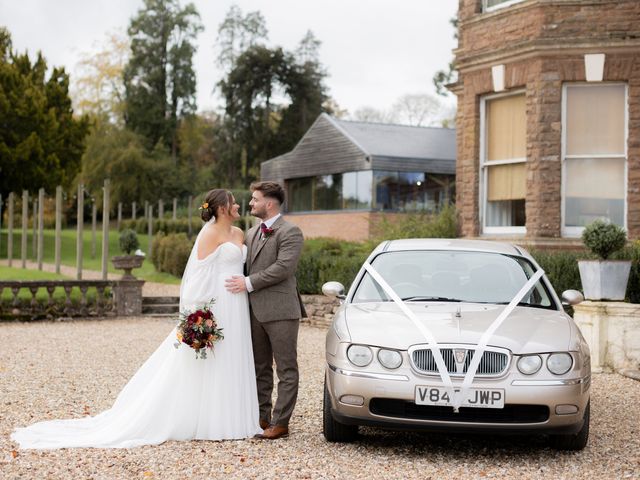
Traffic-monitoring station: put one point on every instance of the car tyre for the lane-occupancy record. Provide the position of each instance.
(576, 441)
(334, 431)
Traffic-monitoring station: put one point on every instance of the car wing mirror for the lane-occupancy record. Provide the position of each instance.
(334, 289)
(572, 297)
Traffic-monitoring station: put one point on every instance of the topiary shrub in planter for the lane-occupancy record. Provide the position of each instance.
(128, 244)
(604, 279)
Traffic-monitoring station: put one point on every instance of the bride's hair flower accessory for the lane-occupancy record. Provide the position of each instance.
(204, 206)
(199, 330)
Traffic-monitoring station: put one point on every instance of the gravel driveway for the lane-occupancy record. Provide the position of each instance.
(61, 370)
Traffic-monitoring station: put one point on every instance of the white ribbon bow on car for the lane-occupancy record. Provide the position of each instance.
(457, 398)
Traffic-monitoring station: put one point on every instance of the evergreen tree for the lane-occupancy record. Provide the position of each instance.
(271, 99)
(160, 82)
(41, 143)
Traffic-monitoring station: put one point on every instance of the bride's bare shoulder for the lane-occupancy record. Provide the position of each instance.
(238, 234)
(208, 242)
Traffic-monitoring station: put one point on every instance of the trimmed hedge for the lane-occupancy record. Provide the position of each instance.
(324, 259)
(171, 253)
(167, 226)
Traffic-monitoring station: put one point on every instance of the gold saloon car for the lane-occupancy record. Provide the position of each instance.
(400, 351)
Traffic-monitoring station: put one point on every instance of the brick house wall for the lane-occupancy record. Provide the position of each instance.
(349, 226)
(542, 44)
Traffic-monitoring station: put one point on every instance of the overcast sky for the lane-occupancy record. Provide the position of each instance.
(373, 50)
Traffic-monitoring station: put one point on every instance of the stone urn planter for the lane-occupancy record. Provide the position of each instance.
(128, 243)
(127, 263)
(604, 279)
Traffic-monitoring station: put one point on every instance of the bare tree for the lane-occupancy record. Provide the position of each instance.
(416, 109)
(372, 115)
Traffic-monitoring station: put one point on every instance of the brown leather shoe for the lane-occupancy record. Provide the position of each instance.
(275, 431)
(264, 424)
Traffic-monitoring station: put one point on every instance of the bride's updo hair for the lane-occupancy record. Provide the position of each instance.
(213, 200)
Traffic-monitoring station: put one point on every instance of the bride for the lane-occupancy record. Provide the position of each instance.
(174, 396)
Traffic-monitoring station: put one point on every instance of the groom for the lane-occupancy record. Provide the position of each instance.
(273, 250)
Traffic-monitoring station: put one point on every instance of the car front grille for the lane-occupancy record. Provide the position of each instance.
(493, 363)
(511, 413)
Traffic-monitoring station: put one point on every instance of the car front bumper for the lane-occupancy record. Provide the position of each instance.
(388, 400)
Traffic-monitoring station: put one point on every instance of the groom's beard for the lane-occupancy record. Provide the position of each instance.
(261, 214)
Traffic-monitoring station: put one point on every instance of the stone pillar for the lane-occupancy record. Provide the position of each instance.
(128, 297)
(612, 330)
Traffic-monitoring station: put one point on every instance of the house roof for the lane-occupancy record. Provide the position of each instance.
(400, 141)
(335, 146)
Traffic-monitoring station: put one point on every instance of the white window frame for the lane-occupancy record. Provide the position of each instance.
(505, 4)
(573, 232)
(488, 230)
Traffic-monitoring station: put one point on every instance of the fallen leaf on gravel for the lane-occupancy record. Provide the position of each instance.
(14, 454)
(148, 474)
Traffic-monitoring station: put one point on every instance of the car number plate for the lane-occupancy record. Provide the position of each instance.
(476, 397)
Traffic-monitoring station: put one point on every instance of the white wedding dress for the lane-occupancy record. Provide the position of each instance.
(174, 396)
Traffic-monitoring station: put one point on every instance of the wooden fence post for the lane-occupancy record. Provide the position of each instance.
(40, 227)
(94, 222)
(25, 215)
(79, 230)
(119, 221)
(106, 205)
(189, 207)
(133, 210)
(150, 230)
(10, 232)
(160, 209)
(175, 207)
(34, 238)
(58, 241)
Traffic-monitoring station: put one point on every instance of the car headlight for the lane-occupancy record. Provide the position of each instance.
(559, 363)
(389, 358)
(359, 355)
(529, 364)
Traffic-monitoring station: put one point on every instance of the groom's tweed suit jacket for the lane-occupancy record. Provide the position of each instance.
(271, 267)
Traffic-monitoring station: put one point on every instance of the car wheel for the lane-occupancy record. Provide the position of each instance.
(334, 431)
(576, 441)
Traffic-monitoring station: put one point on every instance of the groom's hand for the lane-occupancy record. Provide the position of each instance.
(235, 284)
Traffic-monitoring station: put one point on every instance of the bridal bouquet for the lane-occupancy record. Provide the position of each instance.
(199, 330)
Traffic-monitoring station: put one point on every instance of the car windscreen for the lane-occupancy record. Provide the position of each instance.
(453, 276)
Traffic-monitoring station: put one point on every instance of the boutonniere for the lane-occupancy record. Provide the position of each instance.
(266, 232)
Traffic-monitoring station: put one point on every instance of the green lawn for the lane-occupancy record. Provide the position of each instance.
(68, 253)
(8, 274)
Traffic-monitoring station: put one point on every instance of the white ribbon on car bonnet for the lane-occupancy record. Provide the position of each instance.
(457, 398)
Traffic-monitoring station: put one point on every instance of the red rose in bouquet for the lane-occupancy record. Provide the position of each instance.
(199, 330)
